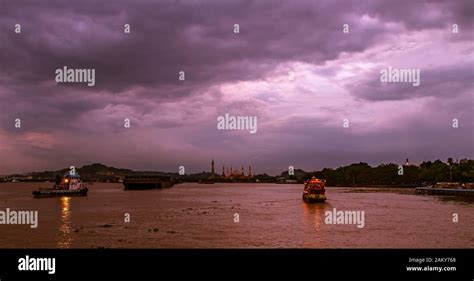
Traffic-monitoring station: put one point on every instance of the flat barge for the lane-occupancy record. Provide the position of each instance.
(444, 191)
(147, 182)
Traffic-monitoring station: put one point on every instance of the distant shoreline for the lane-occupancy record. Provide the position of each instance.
(407, 175)
(246, 182)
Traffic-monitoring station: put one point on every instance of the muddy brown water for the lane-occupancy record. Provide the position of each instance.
(204, 216)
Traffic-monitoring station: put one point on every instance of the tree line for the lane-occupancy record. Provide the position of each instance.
(427, 173)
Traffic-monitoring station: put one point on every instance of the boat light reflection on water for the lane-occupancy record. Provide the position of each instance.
(314, 215)
(65, 237)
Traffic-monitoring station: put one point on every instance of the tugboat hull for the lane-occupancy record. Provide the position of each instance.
(49, 193)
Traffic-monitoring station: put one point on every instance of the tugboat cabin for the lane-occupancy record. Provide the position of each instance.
(69, 182)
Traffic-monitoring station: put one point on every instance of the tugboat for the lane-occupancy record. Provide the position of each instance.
(69, 185)
(314, 191)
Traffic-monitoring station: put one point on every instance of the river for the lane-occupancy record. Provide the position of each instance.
(235, 216)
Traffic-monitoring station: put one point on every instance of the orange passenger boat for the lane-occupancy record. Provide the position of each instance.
(314, 190)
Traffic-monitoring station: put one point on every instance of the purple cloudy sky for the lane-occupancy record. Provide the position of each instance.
(337, 76)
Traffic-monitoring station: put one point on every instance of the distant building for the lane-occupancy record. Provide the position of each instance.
(230, 173)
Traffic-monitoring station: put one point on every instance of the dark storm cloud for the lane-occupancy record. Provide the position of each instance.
(169, 36)
(424, 14)
(137, 77)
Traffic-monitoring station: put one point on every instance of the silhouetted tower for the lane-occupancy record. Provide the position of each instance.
(223, 171)
(212, 166)
(250, 171)
(242, 171)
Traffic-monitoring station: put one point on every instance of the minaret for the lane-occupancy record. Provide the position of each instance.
(212, 166)
(242, 171)
(250, 171)
(223, 172)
